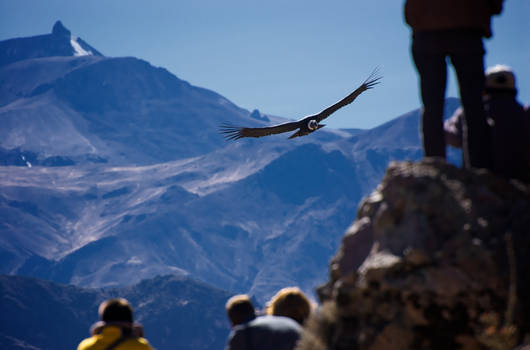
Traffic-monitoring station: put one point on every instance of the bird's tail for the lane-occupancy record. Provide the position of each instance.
(296, 134)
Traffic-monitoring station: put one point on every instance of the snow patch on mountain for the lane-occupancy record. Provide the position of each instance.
(78, 50)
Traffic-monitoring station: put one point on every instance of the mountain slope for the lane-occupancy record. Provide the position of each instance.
(122, 110)
(141, 223)
(93, 108)
(175, 312)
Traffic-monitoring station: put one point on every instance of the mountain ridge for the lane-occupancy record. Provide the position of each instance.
(119, 155)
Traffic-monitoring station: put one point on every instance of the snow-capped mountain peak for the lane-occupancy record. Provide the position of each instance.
(60, 42)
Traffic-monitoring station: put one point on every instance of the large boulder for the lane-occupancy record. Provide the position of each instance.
(436, 259)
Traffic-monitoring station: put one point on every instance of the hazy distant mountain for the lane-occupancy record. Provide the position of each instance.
(60, 109)
(121, 175)
(177, 313)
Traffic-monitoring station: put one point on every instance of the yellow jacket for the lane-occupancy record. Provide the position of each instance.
(109, 335)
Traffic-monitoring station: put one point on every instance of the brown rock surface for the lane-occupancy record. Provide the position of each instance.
(436, 259)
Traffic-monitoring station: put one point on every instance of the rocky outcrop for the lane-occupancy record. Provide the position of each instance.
(436, 259)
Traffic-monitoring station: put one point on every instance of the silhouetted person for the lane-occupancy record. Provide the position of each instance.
(258, 333)
(290, 302)
(115, 330)
(508, 122)
(240, 309)
(454, 29)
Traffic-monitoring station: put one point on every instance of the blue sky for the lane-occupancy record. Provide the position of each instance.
(286, 58)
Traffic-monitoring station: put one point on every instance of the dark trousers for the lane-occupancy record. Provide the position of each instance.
(466, 51)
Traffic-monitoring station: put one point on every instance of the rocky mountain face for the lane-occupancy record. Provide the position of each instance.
(176, 313)
(113, 171)
(113, 226)
(437, 258)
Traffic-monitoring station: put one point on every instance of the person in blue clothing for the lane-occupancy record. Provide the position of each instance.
(508, 123)
(250, 331)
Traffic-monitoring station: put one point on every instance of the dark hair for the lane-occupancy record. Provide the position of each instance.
(116, 310)
(239, 309)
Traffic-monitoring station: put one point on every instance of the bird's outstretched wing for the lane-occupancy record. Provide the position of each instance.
(232, 132)
(369, 83)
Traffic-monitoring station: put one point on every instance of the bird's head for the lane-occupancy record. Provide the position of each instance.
(312, 125)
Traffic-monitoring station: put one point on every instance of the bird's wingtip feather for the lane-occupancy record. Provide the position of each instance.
(230, 132)
(374, 78)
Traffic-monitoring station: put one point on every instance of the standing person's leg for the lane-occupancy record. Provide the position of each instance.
(476, 146)
(432, 70)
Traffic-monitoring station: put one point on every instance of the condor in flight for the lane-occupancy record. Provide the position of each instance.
(306, 125)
